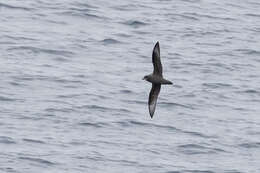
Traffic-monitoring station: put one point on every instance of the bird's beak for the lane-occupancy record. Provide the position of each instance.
(143, 78)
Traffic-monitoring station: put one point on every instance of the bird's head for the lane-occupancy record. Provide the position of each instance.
(145, 77)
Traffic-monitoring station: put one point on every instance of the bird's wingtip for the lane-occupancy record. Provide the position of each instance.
(157, 48)
(151, 113)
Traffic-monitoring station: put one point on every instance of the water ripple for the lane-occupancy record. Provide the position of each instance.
(3, 5)
(108, 41)
(42, 50)
(171, 104)
(38, 160)
(192, 149)
(248, 51)
(132, 123)
(135, 23)
(33, 141)
(251, 145)
(7, 99)
(198, 171)
(7, 140)
(96, 125)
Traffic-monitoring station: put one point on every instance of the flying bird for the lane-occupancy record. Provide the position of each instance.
(156, 78)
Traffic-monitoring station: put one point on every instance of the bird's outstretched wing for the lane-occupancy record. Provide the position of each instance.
(153, 98)
(157, 65)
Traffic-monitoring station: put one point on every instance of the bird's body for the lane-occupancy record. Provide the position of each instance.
(156, 78)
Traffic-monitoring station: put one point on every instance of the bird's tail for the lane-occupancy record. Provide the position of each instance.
(167, 82)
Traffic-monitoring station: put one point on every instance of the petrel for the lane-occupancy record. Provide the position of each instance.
(156, 78)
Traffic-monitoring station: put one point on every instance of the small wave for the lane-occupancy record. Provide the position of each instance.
(103, 108)
(189, 95)
(15, 84)
(253, 15)
(135, 23)
(141, 32)
(7, 99)
(69, 96)
(96, 107)
(24, 78)
(123, 35)
(2, 5)
(199, 33)
(197, 134)
(77, 143)
(100, 96)
(56, 22)
(82, 10)
(33, 141)
(251, 91)
(179, 86)
(42, 50)
(217, 65)
(110, 41)
(48, 115)
(168, 104)
(217, 85)
(59, 110)
(248, 51)
(236, 5)
(6, 140)
(84, 4)
(127, 7)
(55, 101)
(191, 146)
(198, 171)
(19, 38)
(38, 160)
(135, 102)
(210, 16)
(97, 125)
(250, 145)
(193, 64)
(67, 81)
(138, 123)
(189, 17)
(209, 44)
(27, 77)
(198, 149)
(232, 171)
(60, 59)
(84, 13)
(126, 91)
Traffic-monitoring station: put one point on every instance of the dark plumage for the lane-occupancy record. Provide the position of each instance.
(156, 78)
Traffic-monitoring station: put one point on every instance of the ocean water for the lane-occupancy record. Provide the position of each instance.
(72, 98)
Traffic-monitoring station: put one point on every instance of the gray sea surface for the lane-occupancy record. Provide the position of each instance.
(72, 98)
